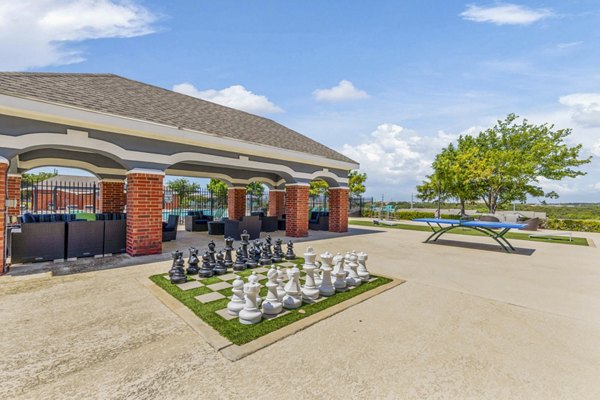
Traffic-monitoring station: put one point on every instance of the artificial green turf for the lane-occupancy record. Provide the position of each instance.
(577, 241)
(238, 333)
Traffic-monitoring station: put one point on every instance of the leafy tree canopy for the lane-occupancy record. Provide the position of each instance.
(183, 185)
(37, 177)
(356, 182)
(255, 188)
(216, 186)
(318, 188)
(503, 164)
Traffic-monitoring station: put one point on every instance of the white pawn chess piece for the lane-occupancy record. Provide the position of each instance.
(347, 263)
(250, 314)
(237, 300)
(272, 305)
(326, 288)
(353, 279)
(293, 291)
(362, 271)
(339, 273)
(310, 291)
(280, 283)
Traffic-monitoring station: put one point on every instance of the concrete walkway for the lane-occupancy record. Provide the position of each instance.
(471, 322)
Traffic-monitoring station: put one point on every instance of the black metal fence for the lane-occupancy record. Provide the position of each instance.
(256, 203)
(180, 201)
(318, 203)
(53, 196)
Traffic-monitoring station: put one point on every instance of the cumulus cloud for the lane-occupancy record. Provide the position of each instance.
(585, 108)
(394, 155)
(344, 91)
(235, 96)
(505, 14)
(39, 33)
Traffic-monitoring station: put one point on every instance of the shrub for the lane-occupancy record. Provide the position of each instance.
(572, 225)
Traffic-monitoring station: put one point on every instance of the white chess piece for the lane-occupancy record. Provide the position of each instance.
(340, 274)
(293, 291)
(237, 300)
(347, 263)
(317, 274)
(353, 279)
(310, 291)
(272, 305)
(281, 284)
(250, 314)
(362, 271)
(326, 288)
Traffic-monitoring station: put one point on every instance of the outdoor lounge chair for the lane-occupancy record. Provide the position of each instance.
(85, 238)
(281, 223)
(319, 221)
(250, 224)
(196, 221)
(115, 236)
(268, 224)
(169, 230)
(42, 241)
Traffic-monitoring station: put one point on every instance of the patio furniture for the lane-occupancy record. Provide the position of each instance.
(196, 221)
(488, 218)
(169, 230)
(216, 228)
(531, 224)
(495, 230)
(251, 224)
(85, 238)
(268, 224)
(115, 236)
(34, 242)
(319, 221)
(281, 223)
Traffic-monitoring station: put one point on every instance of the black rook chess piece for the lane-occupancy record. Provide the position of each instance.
(206, 271)
(220, 269)
(289, 255)
(193, 262)
(228, 250)
(239, 265)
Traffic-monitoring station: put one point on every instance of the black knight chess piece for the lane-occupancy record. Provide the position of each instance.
(220, 269)
(268, 244)
(289, 255)
(193, 262)
(239, 265)
(206, 271)
(257, 250)
(228, 250)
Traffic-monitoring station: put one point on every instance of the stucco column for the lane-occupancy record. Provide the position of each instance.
(276, 203)
(3, 197)
(338, 209)
(236, 202)
(296, 210)
(112, 195)
(144, 212)
(14, 194)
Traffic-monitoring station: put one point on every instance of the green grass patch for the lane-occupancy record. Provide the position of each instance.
(577, 241)
(238, 333)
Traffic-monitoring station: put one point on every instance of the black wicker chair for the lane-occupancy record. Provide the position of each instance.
(169, 230)
(251, 224)
(196, 221)
(42, 241)
(319, 221)
(85, 238)
(115, 236)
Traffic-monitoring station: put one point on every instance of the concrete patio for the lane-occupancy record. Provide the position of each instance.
(469, 323)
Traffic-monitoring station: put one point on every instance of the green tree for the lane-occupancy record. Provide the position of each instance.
(318, 188)
(37, 177)
(216, 187)
(255, 188)
(356, 182)
(185, 191)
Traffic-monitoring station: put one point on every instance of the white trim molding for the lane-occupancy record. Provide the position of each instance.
(146, 171)
(13, 175)
(4, 160)
(108, 180)
(298, 184)
(339, 188)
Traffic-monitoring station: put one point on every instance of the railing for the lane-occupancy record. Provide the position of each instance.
(318, 203)
(180, 201)
(59, 197)
(256, 203)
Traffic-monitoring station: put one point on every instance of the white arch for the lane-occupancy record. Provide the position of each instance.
(60, 162)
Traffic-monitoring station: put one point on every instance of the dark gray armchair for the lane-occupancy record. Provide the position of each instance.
(319, 221)
(85, 238)
(41, 241)
(251, 224)
(169, 230)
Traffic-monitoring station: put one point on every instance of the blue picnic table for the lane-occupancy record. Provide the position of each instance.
(495, 230)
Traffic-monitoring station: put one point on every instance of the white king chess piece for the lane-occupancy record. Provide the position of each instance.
(326, 288)
(362, 271)
(271, 305)
(237, 300)
(310, 291)
(250, 314)
(353, 279)
(293, 291)
(339, 273)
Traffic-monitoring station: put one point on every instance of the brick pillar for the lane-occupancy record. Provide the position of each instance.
(112, 196)
(14, 193)
(338, 209)
(144, 212)
(3, 197)
(276, 203)
(296, 210)
(236, 202)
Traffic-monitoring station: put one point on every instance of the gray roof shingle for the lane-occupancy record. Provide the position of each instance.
(120, 96)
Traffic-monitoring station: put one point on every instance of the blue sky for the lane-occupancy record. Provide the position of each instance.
(385, 82)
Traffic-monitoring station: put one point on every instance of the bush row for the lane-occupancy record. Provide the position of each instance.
(580, 225)
(407, 215)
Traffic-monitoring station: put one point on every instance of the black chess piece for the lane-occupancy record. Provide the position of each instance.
(193, 262)
(289, 255)
(228, 250)
(268, 244)
(206, 271)
(277, 252)
(245, 241)
(239, 265)
(257, 250)
(177, 274)
(264, 257)
(211, 254)
(179, 261)
(251, 262)
(220, 268)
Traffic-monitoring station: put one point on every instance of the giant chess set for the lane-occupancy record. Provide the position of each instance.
(288, 286)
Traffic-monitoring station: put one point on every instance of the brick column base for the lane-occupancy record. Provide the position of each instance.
(296, 210)
(3, 190)
(112, 196)
(236, 202)
(144, 213)
(338, 209)
(14, 193)
(276, 203)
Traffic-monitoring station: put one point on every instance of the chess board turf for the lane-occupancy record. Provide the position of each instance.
(208, 299)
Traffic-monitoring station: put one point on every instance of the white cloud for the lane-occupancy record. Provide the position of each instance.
(39, 33)
(393, 155)
(505, 14)
(344, 91)
(235, 96)
(585, 108)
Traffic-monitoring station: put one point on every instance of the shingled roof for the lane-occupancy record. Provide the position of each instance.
(113, 94)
